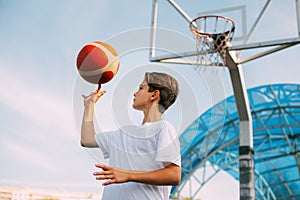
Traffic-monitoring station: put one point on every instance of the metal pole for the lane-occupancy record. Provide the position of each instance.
(153, 28)
(298, 15)
(262, 54)
(246, 161)
(180, 10)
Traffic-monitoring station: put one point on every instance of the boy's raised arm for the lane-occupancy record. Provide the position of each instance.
(87, 127)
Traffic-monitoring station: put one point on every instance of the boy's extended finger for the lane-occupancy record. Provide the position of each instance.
(104, 167)
(102, 173)
(108, 182)
(101, 92)
(104, 177)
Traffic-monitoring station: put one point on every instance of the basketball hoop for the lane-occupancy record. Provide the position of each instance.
(213, 35)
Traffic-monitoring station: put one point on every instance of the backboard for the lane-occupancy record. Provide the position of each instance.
(264, 25)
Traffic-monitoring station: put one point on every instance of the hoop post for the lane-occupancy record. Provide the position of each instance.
(246, 152)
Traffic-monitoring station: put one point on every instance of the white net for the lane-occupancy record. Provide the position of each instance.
(213, 35)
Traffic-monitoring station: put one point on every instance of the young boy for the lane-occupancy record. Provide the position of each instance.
(144, 161)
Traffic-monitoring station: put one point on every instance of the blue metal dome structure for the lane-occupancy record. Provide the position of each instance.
(212, 140)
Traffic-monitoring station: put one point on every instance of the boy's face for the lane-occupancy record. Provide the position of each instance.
(142, 98)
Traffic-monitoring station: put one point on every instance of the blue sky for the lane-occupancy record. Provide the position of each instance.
(41, 91)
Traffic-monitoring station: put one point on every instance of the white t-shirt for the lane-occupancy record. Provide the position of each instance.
(146, 147)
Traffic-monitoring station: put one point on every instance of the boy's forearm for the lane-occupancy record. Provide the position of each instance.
(167, 176)
(88, 114)
(87, 127)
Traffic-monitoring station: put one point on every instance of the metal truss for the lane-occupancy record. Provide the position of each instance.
(211, 142)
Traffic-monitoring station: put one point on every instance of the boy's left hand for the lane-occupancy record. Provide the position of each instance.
(111, 174)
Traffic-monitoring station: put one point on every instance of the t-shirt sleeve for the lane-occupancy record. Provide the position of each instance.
(103, 140)
(168, 146)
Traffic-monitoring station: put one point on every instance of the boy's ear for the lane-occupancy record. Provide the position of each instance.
(155, 94)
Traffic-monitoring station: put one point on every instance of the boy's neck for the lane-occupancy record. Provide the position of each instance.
(152, 115)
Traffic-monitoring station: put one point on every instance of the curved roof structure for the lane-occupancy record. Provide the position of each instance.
(213, 140)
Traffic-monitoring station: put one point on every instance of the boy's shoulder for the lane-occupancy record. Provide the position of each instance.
(148, 129)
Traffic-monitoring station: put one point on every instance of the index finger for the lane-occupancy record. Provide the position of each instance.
(104, 167)
(100, 92)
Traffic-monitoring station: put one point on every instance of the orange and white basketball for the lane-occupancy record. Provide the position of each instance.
(98, 62)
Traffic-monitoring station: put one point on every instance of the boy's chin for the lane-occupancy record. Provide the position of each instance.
(134, 107)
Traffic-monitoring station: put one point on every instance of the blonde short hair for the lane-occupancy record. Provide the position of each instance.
(167, 86)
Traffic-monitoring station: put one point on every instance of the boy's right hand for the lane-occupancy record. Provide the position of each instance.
(93, 97)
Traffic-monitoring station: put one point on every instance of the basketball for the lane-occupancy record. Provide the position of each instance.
(98, 62)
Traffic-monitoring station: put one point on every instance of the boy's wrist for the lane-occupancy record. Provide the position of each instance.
(88, 113)
(89, 104)
(130, 177)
